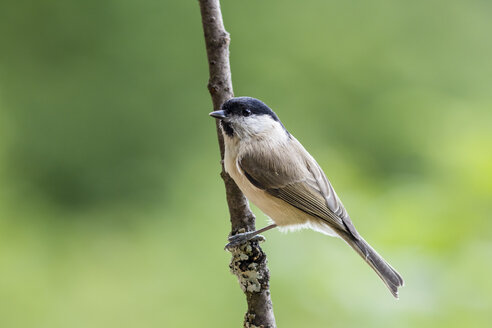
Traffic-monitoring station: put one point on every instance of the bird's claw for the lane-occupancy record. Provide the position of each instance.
(241, 238)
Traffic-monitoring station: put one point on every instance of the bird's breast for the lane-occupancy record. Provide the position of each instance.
(279, 211)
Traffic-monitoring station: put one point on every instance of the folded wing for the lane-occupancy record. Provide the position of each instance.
(299, 181)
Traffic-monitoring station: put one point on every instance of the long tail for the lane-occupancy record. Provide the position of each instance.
(390, 277)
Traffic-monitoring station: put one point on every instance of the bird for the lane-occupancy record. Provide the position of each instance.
(277, 174)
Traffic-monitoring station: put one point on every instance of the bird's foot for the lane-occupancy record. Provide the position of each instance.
(241, 238)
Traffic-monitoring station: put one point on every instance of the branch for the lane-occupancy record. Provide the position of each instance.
(249, 262)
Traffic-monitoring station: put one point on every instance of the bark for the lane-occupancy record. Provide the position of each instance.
(249, 262)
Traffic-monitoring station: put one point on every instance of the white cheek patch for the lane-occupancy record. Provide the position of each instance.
(260, 125)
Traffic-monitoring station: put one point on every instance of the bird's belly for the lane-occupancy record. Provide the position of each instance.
(286, 216)
(279, 211)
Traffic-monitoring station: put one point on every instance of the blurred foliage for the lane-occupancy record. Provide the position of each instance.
(112, 213)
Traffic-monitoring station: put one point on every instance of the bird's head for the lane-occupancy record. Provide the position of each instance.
(245, 117)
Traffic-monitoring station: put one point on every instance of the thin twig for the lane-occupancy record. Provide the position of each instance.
(249, 262)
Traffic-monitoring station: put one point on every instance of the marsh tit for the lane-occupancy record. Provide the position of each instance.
(282, 179)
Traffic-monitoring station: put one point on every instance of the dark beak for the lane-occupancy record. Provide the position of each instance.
(220, 114)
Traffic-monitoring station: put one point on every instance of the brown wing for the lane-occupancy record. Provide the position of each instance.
(299, 181)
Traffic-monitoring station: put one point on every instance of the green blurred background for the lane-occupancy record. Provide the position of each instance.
(112, 211)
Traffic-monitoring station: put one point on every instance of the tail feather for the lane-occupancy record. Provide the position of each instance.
(390, 276)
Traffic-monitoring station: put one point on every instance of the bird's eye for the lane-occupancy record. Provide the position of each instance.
(246, 112)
